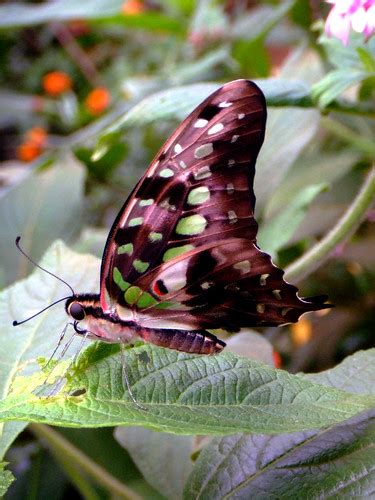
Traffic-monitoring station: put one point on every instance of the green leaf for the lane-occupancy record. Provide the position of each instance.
(276, 232)
(151, 21)
(334, 84)
(335, 462)
(367, 59)
(259, 21)
(288, 130)
(44, 205)
(6, 479)
(21, 346)
(177, 102)
(23, 14)
(183, 393)
(316, 167)
(355, 374)
(164, 459)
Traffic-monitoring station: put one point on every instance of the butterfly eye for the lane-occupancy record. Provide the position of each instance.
(77, 311)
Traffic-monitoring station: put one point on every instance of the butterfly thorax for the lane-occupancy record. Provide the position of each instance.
(91, 320)
(96, 324)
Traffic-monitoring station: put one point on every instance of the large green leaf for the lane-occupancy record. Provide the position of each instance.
(20, 346)
(276, 232)
(317, 167)
(289, 130)
(183, 393)
(178, 101)
(336, 461)
(44, 205)
(335, 82)
(164, 459)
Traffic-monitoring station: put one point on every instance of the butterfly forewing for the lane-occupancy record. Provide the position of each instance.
(198, 189)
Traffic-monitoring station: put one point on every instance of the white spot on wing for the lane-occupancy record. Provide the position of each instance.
(263, 279)
(234, 138)
(243, 266)
(241, 116)
(167, 206)
(260, 308)
(206, 285)
(200, 123)
(225, 104)
(277, 294)
(183, 164)
(216, 128)
(230, 188)
(232, 216)
(202, 173)
(231, 163)
(177, 148)
(204, 150)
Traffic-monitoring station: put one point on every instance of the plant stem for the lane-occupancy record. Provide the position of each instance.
(363, 144)
(65, 451)
(346, 225)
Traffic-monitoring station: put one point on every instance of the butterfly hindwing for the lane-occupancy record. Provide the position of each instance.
(229, 285)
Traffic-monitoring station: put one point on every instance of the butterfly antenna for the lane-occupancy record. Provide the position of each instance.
(18, 239)
(16, 323)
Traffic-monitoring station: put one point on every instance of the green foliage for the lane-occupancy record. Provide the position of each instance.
(182, 393)
(277, 433)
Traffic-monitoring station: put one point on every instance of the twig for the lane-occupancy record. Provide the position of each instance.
(346, 226)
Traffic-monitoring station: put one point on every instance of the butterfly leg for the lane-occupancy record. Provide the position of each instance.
(126, 378)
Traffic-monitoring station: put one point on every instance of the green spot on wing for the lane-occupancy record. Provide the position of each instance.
(171, 253)
(137, 221)
(164, 305)
(132, 294)
(198, 195)
(191, 225)
(146, 300)
(146, 203)
(166, 172)
(140, 266)
(154, 237)
(118, 279)
(128, 249)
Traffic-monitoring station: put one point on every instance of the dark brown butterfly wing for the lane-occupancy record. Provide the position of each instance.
(183, 247)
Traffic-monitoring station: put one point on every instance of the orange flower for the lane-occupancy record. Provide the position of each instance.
(56, 82)
(97, 100)
(132, 7)
(28, 151)
(33, 145)
(301, 331)
(277, 361)
(37, 135)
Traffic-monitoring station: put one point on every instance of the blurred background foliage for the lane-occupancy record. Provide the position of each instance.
(90, 91)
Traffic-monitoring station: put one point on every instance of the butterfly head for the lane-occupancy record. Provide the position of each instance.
(83, 307)
(75, 308)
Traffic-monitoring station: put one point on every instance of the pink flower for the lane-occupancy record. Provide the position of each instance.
(358, 15)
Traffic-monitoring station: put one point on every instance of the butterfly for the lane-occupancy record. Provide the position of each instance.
(181, 258)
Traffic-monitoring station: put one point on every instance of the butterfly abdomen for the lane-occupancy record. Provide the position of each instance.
(192, 341)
